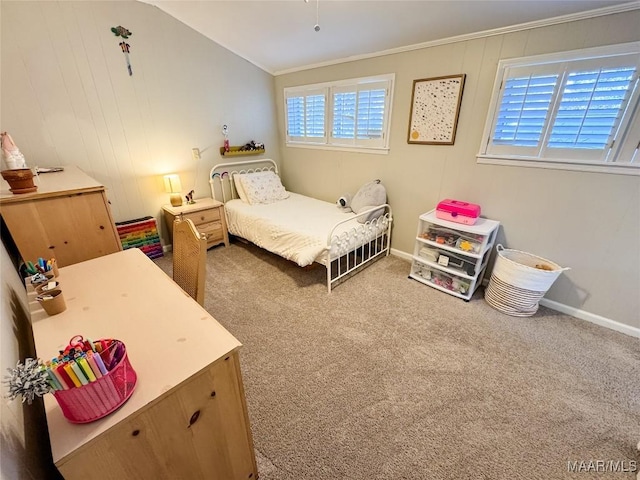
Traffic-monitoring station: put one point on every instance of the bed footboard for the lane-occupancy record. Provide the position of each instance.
(353, 249)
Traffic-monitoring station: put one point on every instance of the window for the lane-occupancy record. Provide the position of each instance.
(350, 114)
(576, 110)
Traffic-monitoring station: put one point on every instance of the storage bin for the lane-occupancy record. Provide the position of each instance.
(442, 279)
(106, 394)
(458, 212)
(519, 280)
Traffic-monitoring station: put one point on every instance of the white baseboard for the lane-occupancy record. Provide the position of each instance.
(167, 248)
(562, 308)
(591, 317)
(401, 254)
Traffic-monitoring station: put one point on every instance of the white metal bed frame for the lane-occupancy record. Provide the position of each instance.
(374, 235)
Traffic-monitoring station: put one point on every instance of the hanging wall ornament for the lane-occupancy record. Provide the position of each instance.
(120, 31)
(125, 50)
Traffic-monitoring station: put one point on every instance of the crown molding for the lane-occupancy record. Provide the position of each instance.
(599, 12)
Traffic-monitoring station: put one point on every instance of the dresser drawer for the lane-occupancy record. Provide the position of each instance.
(204, 216)
(213, 232)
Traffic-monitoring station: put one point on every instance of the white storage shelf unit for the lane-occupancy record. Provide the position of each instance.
(452, 257)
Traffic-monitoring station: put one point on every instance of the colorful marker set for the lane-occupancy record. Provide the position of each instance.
(41, 266)
(83, 362)
(91, 379)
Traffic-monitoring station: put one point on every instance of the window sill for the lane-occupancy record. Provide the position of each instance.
(612, 168)
(340, 148)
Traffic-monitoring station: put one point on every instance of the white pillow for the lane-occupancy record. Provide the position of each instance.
(239, 188)
(263, 187)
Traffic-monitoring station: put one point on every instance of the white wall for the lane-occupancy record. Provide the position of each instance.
(586, 221)
(67, 97)
(24, 442)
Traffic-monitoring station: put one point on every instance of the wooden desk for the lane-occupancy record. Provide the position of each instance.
(185, 362)
(67, 218)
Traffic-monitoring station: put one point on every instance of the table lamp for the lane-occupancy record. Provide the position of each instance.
(173, 186)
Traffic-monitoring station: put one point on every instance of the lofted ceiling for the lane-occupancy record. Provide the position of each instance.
(279, 35)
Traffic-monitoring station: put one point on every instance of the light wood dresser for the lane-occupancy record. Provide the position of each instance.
(206, 214)
(187, 417)
(68, 218)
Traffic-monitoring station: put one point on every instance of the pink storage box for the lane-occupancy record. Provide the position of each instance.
(457, 211)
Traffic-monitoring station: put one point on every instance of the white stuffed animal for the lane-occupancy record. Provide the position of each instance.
(370, 195)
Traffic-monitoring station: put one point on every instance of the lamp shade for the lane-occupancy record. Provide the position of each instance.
(173, 186)
(172, 183)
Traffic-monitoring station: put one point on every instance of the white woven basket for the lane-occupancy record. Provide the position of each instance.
(518, 282)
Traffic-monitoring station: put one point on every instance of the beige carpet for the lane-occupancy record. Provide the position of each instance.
(386, 378)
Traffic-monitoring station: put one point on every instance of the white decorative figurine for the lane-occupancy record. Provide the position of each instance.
(12, 156)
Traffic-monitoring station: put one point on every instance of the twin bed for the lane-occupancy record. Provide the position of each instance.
(299, 228)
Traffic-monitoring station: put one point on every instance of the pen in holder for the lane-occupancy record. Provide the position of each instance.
(54, 267)
(45, 267)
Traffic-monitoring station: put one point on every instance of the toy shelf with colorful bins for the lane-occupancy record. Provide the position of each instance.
(452, 257)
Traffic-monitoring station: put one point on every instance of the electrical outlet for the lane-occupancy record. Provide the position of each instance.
(195, 153)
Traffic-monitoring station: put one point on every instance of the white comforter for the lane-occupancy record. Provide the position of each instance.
(296, 228)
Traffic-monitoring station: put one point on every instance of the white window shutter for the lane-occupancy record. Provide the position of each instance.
(568, 107)
(348, 113)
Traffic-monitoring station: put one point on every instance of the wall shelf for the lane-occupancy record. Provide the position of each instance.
(236, 152)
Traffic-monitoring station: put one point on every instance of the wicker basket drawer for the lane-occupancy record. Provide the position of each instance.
(204, 216)
(213, 232)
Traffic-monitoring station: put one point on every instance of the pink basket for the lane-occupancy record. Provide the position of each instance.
(99, 398)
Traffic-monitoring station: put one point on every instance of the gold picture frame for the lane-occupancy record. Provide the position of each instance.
(435, 107)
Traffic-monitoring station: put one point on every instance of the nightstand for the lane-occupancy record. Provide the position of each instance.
(206, 214)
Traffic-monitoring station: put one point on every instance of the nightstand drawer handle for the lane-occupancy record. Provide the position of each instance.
(194, 418)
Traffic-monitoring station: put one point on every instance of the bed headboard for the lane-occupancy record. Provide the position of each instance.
(223, 187)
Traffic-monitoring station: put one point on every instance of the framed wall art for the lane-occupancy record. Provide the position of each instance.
(435, 106)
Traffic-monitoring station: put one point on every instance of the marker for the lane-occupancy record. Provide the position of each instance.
(72, 374)
(94, 365)
(117, 356)
(100, 364)
(86, 369)
(78, 371)
(65, 376)
(61, 380)
(53, 381)
(90, 345)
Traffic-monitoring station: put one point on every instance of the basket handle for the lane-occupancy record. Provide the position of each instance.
(499, 247)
